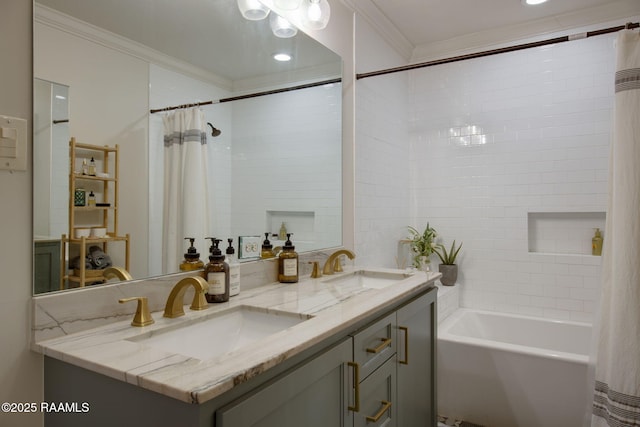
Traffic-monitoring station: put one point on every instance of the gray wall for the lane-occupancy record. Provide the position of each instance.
(20, 369)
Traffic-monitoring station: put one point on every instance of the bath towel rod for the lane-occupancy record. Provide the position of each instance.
(249, 95)
(628, 26)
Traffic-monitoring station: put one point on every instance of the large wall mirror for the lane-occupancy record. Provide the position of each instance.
(273, 133)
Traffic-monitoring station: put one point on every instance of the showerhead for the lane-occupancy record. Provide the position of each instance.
(214, 131)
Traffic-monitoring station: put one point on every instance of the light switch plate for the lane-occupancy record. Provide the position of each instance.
(249, 247)
(13, 143)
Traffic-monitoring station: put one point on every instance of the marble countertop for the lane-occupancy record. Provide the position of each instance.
(107, 349)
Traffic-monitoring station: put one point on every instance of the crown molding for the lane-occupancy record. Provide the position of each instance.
(389, 32)
(60, 21)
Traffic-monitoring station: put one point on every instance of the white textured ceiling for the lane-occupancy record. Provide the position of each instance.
(211, 34)
(418, 27)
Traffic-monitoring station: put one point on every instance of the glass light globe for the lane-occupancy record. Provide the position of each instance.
(287, 4)
(315, 14)
(281, 27)
(253, 10)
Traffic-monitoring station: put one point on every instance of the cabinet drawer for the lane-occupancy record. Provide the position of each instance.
(312, 395)
(375, 344)
(378, 406)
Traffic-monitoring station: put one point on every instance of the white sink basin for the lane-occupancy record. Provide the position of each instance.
(220, 333)
(371, 279)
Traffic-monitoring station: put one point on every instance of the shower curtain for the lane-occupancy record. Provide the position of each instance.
(616, 401)
(185, 201)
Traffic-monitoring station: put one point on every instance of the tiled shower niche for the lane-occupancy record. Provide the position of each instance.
(563, 232)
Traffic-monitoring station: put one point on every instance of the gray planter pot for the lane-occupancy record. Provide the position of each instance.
(449, 274)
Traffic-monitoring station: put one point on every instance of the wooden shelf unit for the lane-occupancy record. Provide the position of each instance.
(108, 215)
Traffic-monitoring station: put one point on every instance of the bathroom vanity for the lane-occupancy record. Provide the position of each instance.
(352, 349)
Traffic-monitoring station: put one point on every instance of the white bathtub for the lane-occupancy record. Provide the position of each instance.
(504, 370)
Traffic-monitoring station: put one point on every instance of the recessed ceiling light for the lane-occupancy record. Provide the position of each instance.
(533, 2)
(283, 57)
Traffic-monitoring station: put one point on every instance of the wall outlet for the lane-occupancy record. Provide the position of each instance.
(248, 247)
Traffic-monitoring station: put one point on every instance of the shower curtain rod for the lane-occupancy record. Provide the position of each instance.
(514, 48)
(250, 95)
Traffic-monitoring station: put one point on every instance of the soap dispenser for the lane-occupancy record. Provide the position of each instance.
(283, 232)
(234, 270)
(288, 262)
(191, 257)
(92, 167)
(267, 248)
(596, 243)
(216, 273)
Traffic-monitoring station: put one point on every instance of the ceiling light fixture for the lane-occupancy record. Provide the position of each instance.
(282, 57)
(253, 10)
(315, 14)
(533, 2)
(281, 27)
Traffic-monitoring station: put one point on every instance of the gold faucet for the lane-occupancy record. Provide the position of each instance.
(174, 308)
(117, 272)
(333, 262)
(315, 273)
(142, 316)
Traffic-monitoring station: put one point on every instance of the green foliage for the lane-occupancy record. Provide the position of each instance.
(448, 258)
(422, 243)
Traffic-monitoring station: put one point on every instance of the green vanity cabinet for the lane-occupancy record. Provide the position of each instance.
(314, 394)
(379, 373)
(417, 330)
(378, 396)
(383, 375)
(46, 266)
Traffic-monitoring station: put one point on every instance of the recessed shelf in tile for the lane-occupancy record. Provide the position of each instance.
(563, 232)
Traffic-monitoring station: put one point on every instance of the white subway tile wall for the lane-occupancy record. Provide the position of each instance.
(382, 159)
(537, 125)
(309, 118)
(492, 140)
(295, 167)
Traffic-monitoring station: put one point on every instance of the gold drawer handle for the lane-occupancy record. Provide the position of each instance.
(356, 386)
(406, 345)
(385, 407)
(386, 342)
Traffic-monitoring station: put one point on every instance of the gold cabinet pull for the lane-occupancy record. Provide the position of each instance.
(386, 342)
(385, 407)
(356, 386)
(406, 345)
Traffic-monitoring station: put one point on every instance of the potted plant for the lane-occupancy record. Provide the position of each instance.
(448, 268)
(422, 245)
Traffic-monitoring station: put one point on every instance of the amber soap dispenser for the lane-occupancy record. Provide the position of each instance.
(216, 273)
(192, 259)
(288, 262)
(267, 248)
